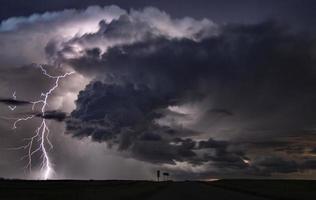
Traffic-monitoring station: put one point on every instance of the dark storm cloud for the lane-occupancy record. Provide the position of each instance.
(128, 121)
(162, 84)
(53, 115)
(273, 164)
(295, 149)
(309, 164)
(301, 13)
(257, 71)
(262, 166)
(313, 150)
(14, 102)
(222, 156)
(123, 115)
(210, 143)
(220, 111)
(261, 72)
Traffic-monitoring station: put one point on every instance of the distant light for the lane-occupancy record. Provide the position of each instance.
(246, 161)
(213, 179)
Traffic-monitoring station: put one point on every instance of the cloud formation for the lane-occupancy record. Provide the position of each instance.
(158, 88)
(53, 115)
(189, 95)
(14, 102)
(25, 38)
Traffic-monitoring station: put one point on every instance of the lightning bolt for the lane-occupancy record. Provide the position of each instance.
(14, 97)
(41, 136)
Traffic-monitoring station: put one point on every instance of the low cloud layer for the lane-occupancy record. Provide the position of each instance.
(14, 102)
(53, 115)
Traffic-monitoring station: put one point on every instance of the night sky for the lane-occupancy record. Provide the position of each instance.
(201, 89)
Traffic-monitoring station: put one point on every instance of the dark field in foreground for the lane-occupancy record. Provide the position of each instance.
(111, 190)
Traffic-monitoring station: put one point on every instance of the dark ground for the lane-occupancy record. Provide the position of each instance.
(112, 190)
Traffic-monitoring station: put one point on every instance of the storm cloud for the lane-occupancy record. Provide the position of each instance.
(192, 96)
(14, 102)
(53, 115)
(244, 77)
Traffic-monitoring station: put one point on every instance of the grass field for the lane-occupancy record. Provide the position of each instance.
(112, 190)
